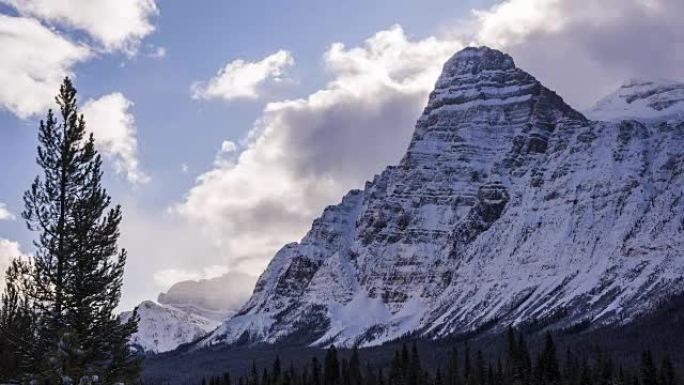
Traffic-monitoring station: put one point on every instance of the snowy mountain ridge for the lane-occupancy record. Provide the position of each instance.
(509, 207)
(643, 100)
(163, 328)
(189, 310)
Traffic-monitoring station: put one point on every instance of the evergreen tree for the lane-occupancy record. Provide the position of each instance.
(253, 375)
(414, 369)
(265, 377)
(396, 375)
(332, 366)
(667, 373)
(649, 374)
(479, 372)
(276, 370)
(466, 364)
(355, 377)
(315, 372)
(453, 375)
(17, 325)
(438, 377)
(77, 270)
(549, 361)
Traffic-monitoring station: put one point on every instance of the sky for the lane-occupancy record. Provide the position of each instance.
(227, 126)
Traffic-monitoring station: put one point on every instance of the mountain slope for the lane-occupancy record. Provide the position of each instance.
(508, 207)
(643, 100)
(163, 328)
(189, 310)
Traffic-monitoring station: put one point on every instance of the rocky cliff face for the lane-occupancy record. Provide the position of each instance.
(508, 207)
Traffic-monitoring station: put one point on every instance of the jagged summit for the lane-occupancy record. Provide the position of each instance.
(642, 99)
(474, 60)
(487, 76)
(508, 207)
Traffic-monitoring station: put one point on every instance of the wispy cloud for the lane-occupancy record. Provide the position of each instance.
(240, 79)
(5, 214)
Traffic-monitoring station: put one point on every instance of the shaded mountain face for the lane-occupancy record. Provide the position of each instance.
(509, 207)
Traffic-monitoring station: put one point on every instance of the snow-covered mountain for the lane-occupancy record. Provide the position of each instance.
(508, 207)
(643, 100)
(188, 311)
(163, 328)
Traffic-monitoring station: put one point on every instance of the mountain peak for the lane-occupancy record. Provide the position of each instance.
(506, 209)
(473, 60)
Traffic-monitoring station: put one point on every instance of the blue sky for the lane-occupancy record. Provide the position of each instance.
(172, 128)
(315, 127)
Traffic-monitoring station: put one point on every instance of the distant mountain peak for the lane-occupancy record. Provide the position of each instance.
(163, 328)
(642, 99)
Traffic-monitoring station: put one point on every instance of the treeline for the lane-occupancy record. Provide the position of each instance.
(517, 366)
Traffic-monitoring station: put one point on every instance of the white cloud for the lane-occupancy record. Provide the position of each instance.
(34, 61)
(158, 53)
(9, 250)
(167, 277)
(584, 48)
(304, 154)
(228, 146)
(240, 79)
(225, 291)
(115, 24)
(225, 157)
(511, 22)
(110, 120)
(5, 214)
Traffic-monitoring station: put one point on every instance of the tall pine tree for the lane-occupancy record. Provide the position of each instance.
(77, 268)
